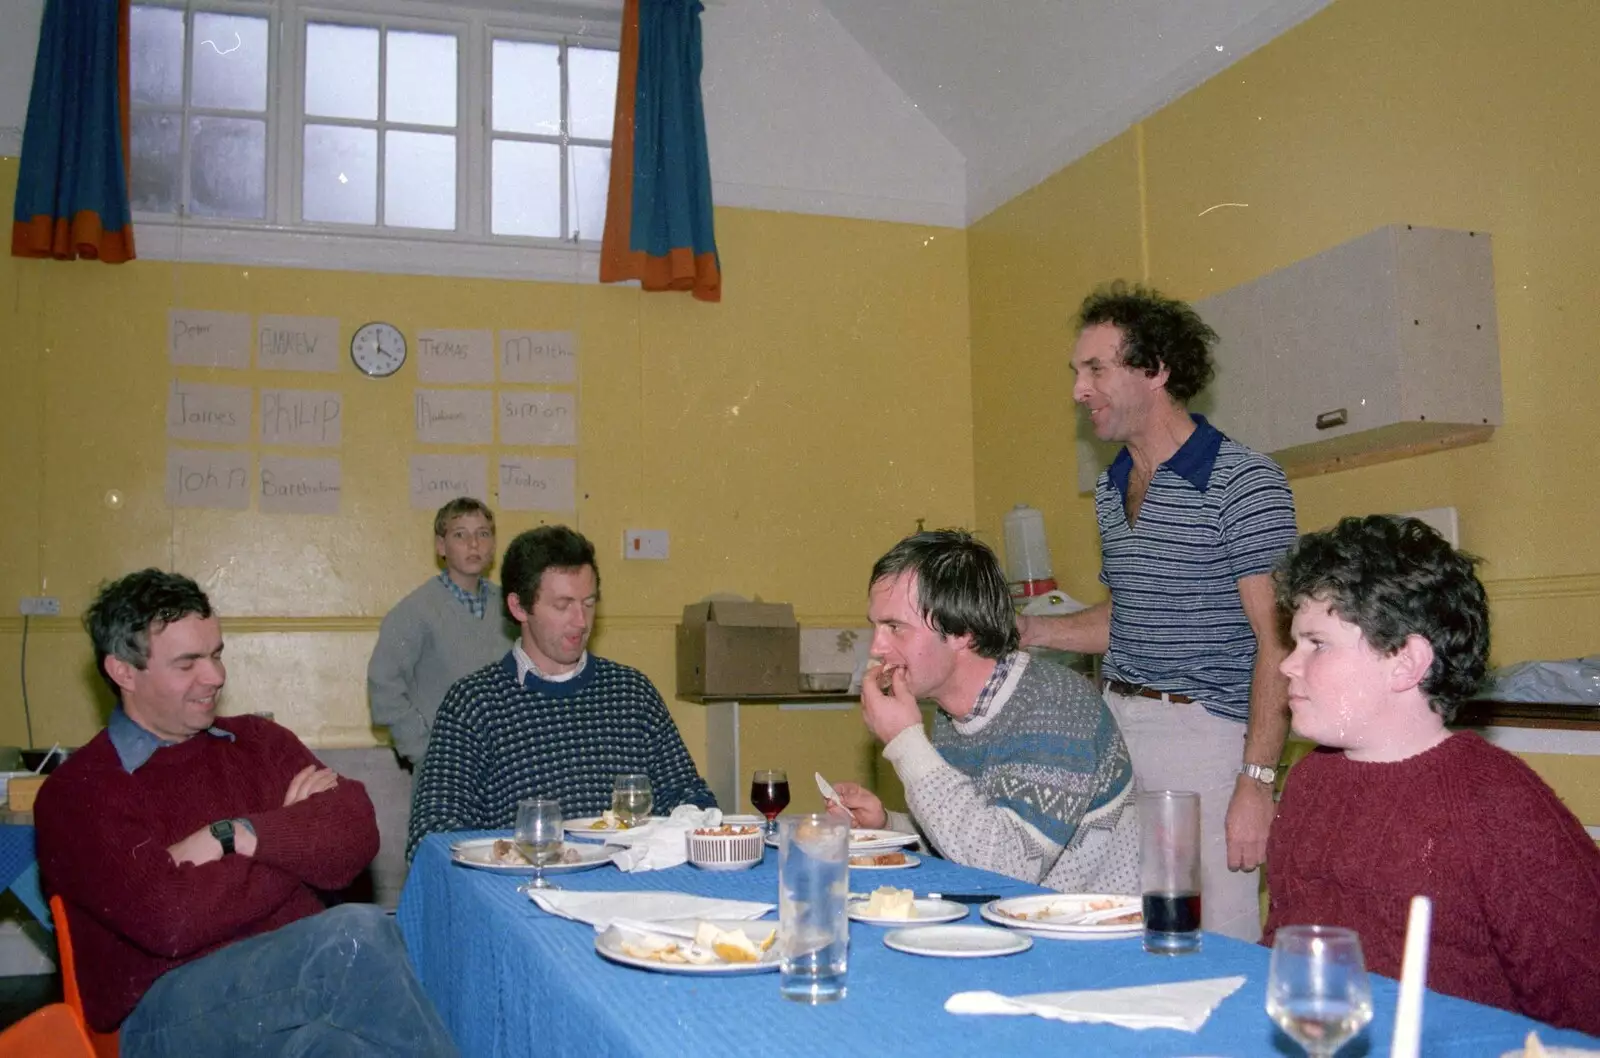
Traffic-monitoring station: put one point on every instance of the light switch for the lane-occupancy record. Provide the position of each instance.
(644, 543)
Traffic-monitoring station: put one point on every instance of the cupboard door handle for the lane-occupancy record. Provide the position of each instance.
(1329, 419)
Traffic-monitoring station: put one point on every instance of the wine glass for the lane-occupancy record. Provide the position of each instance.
(538, 837)
(769, 794)
(632, 798)
(1317, 988)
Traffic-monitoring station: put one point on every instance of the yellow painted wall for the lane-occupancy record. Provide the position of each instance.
(785, 439)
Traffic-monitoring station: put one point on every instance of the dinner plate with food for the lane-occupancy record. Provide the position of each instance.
(889, 906)
(865, 840)
(599, 826)
(895, 860)
(689, 946)
(1069, 916)
(503, 856)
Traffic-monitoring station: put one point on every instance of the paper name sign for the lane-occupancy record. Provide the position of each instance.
(528, 484)
(218, 479)
(454, 416)
(297, 343)
(538, 356)
(197, 338)
(301, 417)
(455, 356)
(299, 486)
(436, 480)
(538, 417)
(197, 412)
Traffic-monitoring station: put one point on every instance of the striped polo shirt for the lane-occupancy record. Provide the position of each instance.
(1214, 513)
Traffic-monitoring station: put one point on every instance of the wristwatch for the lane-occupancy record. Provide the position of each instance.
(222, 830)
(1261, 773)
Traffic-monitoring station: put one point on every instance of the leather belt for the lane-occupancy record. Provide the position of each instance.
(1139, 690)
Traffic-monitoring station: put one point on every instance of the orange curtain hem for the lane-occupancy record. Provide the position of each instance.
(83, 236)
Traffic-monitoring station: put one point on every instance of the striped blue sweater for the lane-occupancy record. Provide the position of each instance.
(1214, 513)
(496, 742)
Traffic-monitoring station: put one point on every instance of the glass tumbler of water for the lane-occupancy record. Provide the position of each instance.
(1317, 988)
(538, 837)
(1169, 870)
(813, 884)
(632, 799)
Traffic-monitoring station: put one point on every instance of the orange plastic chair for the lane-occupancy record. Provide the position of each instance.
(54, 1031)
(102, 1044)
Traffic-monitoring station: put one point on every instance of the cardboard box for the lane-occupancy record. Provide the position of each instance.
(21, 791)
(731, 648)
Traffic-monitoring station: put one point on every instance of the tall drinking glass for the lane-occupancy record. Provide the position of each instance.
(1169, 870)
(538, 837)
(1317, 989)
(813, 883)
(769, 794)
(632, 798)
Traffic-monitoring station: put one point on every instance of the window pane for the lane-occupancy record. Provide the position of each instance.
(227, 167)
(587, 183)
(420, 80)
(341, 71)
(526, 189)
(419, 180)
(592, 92)
(341, 175)
(230, 62)
(527, 87)
(155, 55)
(157, 141)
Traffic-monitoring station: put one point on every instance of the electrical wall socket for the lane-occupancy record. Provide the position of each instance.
(644, 543)
(40, 606)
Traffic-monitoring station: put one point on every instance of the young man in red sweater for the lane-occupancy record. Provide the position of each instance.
(189, 849)
(1391, 632)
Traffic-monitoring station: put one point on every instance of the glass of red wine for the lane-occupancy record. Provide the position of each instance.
(769, 794)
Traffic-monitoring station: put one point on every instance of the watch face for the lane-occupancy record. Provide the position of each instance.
(378, 349)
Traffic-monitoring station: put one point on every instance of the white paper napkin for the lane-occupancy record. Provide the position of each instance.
(665, 842)
(640, 906)
(1182, 1005)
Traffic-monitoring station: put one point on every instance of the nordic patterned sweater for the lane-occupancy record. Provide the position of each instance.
(1040, 787)
(495, 743)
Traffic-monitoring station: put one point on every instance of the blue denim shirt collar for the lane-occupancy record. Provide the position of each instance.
(1193, 461)
(135, 745)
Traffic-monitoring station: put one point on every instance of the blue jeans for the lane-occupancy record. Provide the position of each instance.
(335, 984)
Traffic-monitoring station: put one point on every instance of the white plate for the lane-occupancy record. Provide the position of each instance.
(911, 861)
(927, 912)
(584, 826)
(867, 840)
(744, 821)
(609, 945)
(476, 852)
(957, 942)
(1059, 906)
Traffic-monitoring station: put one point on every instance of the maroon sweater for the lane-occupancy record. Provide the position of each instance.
(1514, 878)
(102, 844)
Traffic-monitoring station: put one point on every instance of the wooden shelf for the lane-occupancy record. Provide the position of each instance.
(1485, 713)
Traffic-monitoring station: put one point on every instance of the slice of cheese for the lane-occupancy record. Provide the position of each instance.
(888, 902)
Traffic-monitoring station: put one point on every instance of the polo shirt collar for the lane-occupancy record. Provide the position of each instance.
(135, 745)
(1193, 461)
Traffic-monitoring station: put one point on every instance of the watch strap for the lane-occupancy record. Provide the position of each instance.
(1261, 773)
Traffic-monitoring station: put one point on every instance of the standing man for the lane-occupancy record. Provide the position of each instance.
(189, 850)
(549, 719)
(448, 627)
(1191, 525)
(1026, 773)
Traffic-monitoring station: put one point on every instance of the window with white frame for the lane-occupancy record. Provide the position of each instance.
(352, 119)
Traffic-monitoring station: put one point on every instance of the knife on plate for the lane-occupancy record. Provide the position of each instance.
(965, 898)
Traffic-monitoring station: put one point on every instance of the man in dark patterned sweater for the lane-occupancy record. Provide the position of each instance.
(189, 849)
(549, 719)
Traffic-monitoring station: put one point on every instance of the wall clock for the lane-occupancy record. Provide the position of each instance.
(378, 349)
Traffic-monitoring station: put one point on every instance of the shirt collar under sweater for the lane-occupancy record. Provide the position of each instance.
(996, 692)
(525, 665)
(135, 745)
(476, 602)
(531, 679)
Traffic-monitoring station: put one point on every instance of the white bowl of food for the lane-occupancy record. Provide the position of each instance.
(729, 847)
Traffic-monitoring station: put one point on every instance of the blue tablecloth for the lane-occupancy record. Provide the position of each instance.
(510, 980)
(19, 872)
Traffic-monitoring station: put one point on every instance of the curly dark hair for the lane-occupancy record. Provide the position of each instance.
(1396, 577)
(533, 552)
(1157, 332)
(960, 588)
(128, 611)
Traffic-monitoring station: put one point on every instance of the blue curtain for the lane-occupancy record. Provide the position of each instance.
(659, 224)
(72, 189)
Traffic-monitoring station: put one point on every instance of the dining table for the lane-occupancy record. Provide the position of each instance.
(513, 981)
